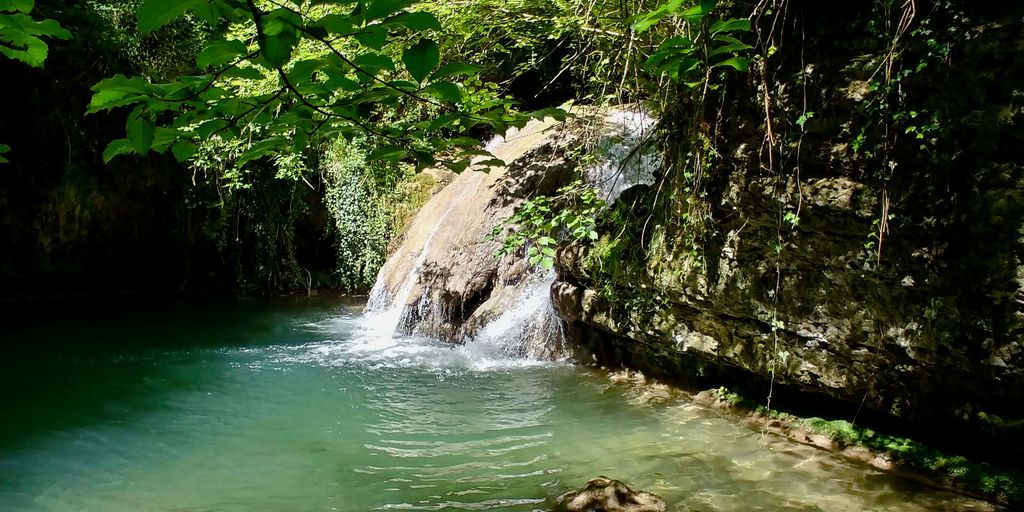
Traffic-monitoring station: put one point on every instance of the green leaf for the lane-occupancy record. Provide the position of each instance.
(20, 37)
(555, 113)
(141, 129)
(373, 63)
(803, 119)
(424, 159)
(731, 25)
(280, 37)
(454, 69)
(117, 147)
(4, 148)
(644, 21)
(164, 137)
(220, 53)
(337, 79)
(380, 9)
(154, 14)
(261, 149)
(547, 262)
(183, 150)
(117, 91)
(277, 50)
(737, 63)
(373, 37)
(387, 153)
(336, 24)
(442, 121)
(302, 71)
(421, 58)
(22, 6)
(445, 90)
(695, 14)
(208, 128)
(457, 166)
(247, 73)
(376, 95)
(417, 21)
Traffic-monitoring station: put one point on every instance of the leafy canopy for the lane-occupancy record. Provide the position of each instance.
(713, 45)
(303, 69)
(21, 38)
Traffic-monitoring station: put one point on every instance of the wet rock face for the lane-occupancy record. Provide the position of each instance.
(603, 494)
(927, 324)
(457, 285)
(445, 273)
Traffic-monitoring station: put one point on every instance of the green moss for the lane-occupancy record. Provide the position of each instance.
(413, 193)
(605, 257)
(1000, 483)
(730, 396)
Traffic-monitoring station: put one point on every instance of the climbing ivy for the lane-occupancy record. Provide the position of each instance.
(541, 222)
(701, 48)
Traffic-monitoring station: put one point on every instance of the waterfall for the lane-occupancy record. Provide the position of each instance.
(625, 159)
(530, 327)
(384, 313)
(439, 279)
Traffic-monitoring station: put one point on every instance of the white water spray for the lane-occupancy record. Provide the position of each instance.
(529, 329)
(626, 157)
(383, 313)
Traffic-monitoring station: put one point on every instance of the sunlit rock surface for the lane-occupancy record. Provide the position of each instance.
(445, 277)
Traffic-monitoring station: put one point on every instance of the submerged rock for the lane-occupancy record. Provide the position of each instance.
(603, 494)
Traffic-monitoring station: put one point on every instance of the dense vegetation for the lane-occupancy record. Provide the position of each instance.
(286, 134)
(269, 146)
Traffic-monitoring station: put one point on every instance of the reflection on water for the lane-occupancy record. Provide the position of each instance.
(274, 408)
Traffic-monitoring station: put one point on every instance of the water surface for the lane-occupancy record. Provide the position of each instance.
(298, 406)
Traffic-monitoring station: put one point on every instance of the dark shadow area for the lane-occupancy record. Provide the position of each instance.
(68, 364)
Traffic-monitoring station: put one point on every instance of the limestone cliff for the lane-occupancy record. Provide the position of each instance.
(835, 254)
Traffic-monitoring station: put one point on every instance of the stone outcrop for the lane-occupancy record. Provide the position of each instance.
(603, 494)
(930, 326)
(445, 272)
(457, 284)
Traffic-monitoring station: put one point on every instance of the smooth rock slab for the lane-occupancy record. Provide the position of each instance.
(602, 494)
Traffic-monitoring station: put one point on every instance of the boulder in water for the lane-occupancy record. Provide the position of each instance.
(603, 494)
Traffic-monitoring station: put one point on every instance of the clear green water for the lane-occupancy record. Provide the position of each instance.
(290, 406)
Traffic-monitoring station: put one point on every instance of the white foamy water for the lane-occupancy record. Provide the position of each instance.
(375, 346)
(385, 313)
(626, 156)
(530, 328)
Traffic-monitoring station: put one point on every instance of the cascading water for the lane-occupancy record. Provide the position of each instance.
(438, 277)
(527, 328)
(384, 313)
(625, 159)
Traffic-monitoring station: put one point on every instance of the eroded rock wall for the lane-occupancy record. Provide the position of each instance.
(929, 327)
